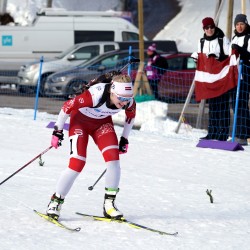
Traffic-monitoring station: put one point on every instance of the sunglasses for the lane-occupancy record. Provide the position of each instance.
(209, 27)
(123, 98)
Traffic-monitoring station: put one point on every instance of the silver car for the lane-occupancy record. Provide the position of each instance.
(28, 74)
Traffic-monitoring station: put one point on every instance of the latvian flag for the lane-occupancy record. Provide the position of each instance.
(213, 78)
(128, 88)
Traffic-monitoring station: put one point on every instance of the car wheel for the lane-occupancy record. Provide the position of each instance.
(22, 89)
(42, 85)
(74, 88)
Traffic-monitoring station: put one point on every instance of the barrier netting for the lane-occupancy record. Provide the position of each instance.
(171, 87)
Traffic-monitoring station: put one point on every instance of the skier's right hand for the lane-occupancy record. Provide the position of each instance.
(57, 137)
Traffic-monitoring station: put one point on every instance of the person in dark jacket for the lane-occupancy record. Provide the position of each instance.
(156, 66)
(241, 44)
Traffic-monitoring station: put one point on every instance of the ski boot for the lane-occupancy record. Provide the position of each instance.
(109, 208)
(54, 206)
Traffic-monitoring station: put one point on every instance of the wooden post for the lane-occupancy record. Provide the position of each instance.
(218, 10)
(229, 19)
(141, 85)
(243, 6)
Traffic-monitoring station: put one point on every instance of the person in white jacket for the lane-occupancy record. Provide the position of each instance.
(91, 115)
(215, 44)
(241, 44)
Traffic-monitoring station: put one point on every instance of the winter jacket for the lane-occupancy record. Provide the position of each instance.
(156, 63)
(212, 44)
(241, 44)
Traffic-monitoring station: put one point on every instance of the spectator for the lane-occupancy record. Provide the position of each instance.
(155, 68)
(215, 44)
(241, 44)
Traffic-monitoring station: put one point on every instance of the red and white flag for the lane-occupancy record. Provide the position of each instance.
(213, 78)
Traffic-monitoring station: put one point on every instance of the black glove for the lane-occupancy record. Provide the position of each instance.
(237, 47)
(57, 137)
(123, 145)
(244, 54)
(212, 55)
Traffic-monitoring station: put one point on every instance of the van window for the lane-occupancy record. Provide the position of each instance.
(129, 36)
(87, 52)
(91, 36)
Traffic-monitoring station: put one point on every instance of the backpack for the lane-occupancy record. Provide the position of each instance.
(223, 56)
(105, 78)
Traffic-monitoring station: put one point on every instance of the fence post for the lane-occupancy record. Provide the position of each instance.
(236, 102)
(38, 87)
(129, 57)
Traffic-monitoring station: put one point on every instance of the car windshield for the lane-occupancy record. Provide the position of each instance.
(66, 52)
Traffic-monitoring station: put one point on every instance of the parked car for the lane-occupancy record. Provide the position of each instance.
(179, 76)
(68, 82)
(176, 81)
(75, 55)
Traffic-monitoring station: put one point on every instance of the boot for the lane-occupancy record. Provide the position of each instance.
(54, 206)
(109, 208)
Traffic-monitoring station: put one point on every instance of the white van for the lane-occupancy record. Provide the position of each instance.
(54, 31)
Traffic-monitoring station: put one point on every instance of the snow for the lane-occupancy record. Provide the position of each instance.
(186, 27)
(164, 175)
(163, 186)
(24, 11)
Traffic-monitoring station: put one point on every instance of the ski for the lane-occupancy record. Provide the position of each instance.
(56, 222)
(125, 221)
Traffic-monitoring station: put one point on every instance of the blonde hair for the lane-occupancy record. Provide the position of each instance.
(122, 78)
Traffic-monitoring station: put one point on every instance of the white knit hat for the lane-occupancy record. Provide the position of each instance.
(122, 88)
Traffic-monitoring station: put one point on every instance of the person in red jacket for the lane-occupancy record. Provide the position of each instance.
(91, 115)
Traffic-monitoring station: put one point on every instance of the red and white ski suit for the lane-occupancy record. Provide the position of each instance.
(86, 120)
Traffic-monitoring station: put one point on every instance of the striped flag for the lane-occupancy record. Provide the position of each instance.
(213, 78)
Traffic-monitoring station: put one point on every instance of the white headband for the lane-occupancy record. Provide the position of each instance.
(122, 88)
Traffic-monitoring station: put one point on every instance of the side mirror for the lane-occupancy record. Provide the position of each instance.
(71, 57)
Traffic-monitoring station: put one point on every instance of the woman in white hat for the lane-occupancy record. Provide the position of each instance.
(90, 115)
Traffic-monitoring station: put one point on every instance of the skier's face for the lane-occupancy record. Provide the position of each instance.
(119, 101)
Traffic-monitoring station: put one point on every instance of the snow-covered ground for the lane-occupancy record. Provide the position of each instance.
(163, 185)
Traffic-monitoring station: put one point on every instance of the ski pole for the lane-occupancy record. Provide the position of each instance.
(27, 164)
(92, 187)
(131, 61)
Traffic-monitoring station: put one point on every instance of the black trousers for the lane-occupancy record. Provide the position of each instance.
(154, 86)
(219, 117)
(243, 116)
